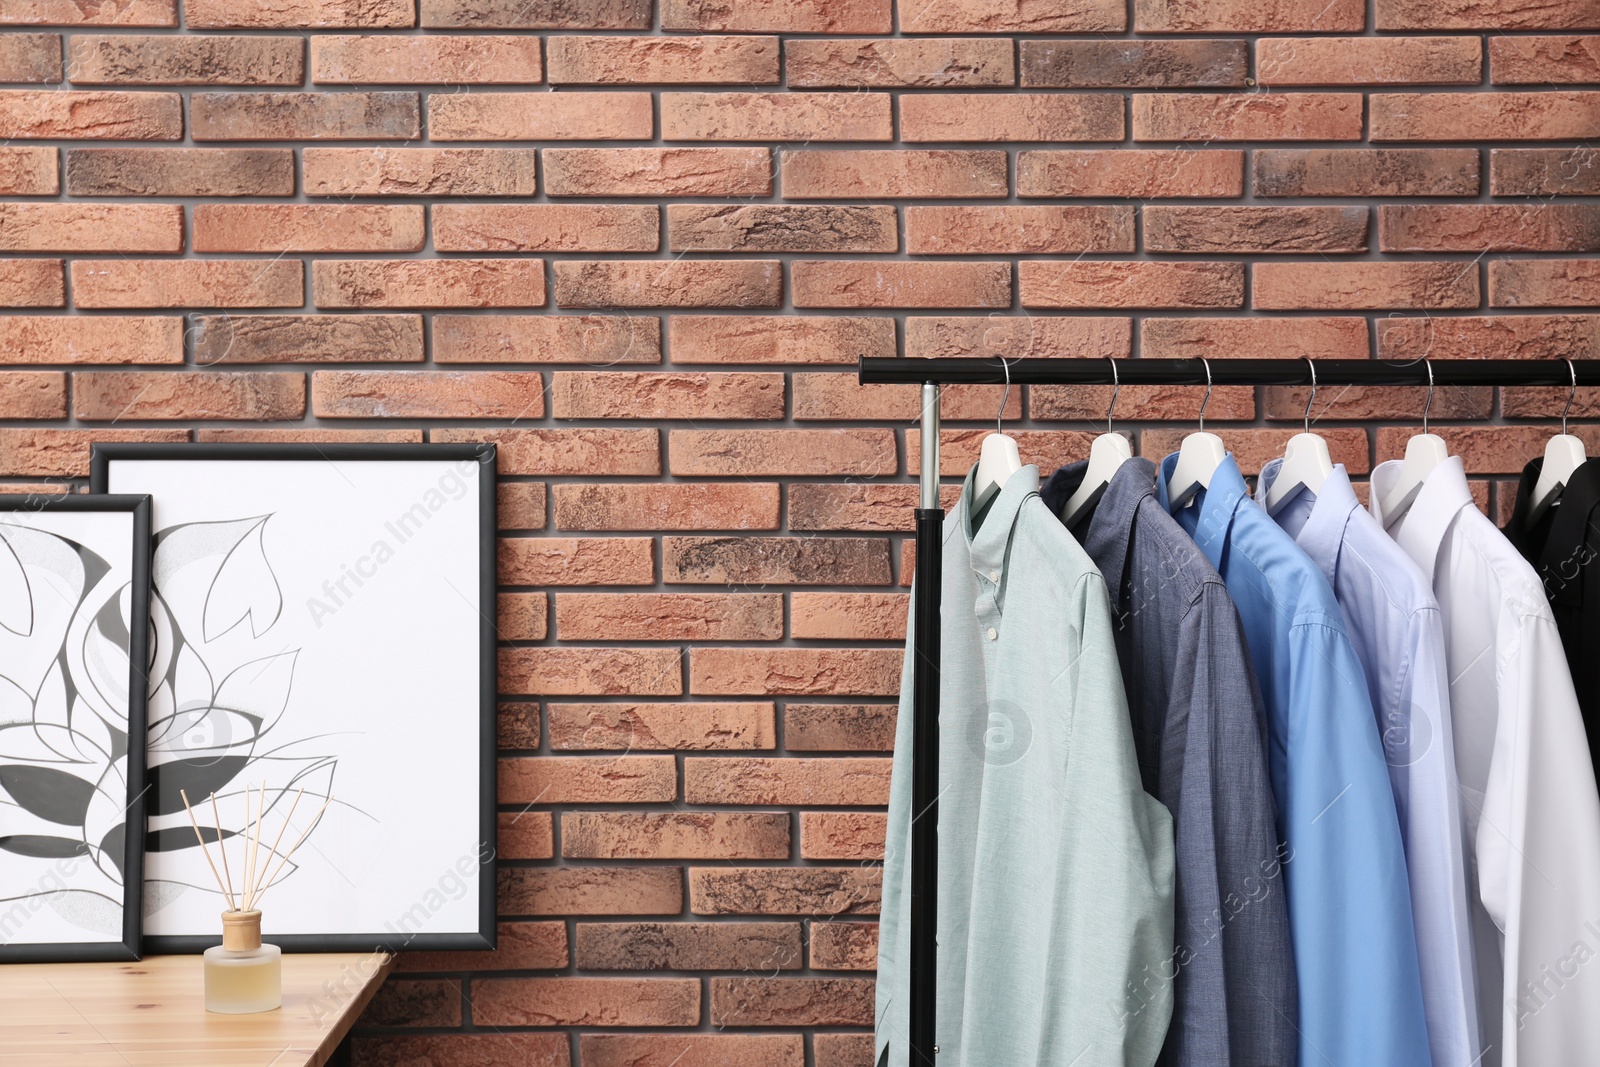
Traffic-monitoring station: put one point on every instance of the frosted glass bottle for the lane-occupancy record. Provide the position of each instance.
(242, 974)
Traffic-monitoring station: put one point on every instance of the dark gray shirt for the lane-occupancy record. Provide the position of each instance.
(1199, 732)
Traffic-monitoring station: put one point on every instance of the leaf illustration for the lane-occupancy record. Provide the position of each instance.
(55, 577)
(112, 846)
(49, 793)
(192, 687)
(89, 911)
(174, 838)
(97, 649)
(42, 847)
(198, 777)
(260, 688)
(214, 575)
(16, 599)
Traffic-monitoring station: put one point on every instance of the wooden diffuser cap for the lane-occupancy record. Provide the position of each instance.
(241, 930)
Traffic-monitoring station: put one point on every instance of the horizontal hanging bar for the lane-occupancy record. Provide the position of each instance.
(882, 369)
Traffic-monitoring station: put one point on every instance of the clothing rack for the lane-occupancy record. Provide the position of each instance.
(931, 374)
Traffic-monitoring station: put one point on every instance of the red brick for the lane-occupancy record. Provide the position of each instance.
(682, 946)
(1214, 229)
(1369, 61)
(300, 14)
(590, 672)
(306, 338)
(642, 395)
(468, 1050)
(844, 946)
(517, 727)
(785, 781)
(1484, 449)
(842, 835)
(541, 116)
(775, 560)
(1490, 337)
(1364, 286)
(663, 60)
(1096, 284)
(691, 1050)
(65, 453)
(778, 339)
(1489, 227)
(33, 394)
(501, 1002)
(1544, 171)
(591, 891)
(804, 671)
(778, 16)
(28, 170)
(134, 59)
(525, 835)
(669, 283)
(366, 283)
(307, 228)
(643, 727)
(672, 506)
(847, 284)
(1208, 117)
(781, 228)
(30, 57)
(32, 283)
(545, 228)
(589, 450)
(1535, 403)
(1498, 116)
(669, 616)
(1135, 173)
(437, 59)
(303, 116)
(1013, 230)
(958, 449)
(827, 174)
(537, 15)
(932, 63)
(1378, 402)
(91, 339)
(522, 616)
(858, 507)
(90, 115)
(419, 171)
(807, 116)
(1247, 16)
(783, 452)
(1023, 16)
(1012, 117)
(31, 226)
(839, 727)
(1486, 15)
(596, 339)
(1121, 64)
(1365, 172)
(666, 835)
(1077, 337)
(192, 283)
(108, 13)
(840, 396)
(1142, 403)
(1253, 448)
(520, 505)
(848, 616)
(750, 1001)
(190, 395)
(179, 171)
(585, 779)
(1573, 60)
(1254, 338)
(338, 394)
(784, 890)
(576, 561)
(278, 435)
(658, 171)
(520, 946)
(1517, 283)
(423, 1002)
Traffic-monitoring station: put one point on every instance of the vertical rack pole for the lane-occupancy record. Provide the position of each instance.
(925, 743)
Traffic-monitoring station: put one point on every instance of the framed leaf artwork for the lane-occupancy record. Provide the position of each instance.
(323, 666)
(74, 605)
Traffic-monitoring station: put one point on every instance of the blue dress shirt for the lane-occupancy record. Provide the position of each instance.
(1349, 899)
(1394, 623)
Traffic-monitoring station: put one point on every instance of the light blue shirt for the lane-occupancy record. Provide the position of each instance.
(1349, 901)
(1394, 623)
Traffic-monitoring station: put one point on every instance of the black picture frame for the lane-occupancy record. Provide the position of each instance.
(127, 948)
(106, 455)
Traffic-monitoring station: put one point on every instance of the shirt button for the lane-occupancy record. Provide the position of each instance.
(993, 633)
(994, 576)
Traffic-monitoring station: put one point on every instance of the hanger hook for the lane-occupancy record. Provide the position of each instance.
(1116, 387)
(1572, 370)
(1312, 399)
(999, 416)
(1207, 399)
(1428, 365)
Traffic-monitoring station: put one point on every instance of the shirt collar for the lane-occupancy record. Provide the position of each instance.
(987, 545)
(1330, 508)
(1110, 527)
(1420, 531)
(1210, 516)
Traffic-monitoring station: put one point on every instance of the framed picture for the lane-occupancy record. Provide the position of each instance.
(74, 600)
(323, 664)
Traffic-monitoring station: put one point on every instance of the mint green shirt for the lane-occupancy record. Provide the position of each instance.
(1055, 916)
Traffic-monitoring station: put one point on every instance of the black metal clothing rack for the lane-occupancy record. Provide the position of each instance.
(931, 374)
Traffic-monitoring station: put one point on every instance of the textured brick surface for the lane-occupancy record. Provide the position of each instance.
(639, 245)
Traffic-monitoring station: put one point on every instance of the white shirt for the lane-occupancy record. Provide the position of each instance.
(1530, 807)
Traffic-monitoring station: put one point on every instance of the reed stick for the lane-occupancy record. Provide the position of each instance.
(198, 837)
(217, 818)
(292, 849)
(262, 888)
(255, 844)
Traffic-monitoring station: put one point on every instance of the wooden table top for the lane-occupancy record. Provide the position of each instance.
(153, 1013)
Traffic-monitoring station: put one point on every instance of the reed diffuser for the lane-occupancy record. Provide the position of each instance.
(242, 974)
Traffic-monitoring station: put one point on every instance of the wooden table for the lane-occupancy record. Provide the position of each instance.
(152, 1013)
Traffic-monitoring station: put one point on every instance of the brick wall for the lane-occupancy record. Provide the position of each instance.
(640, 247)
